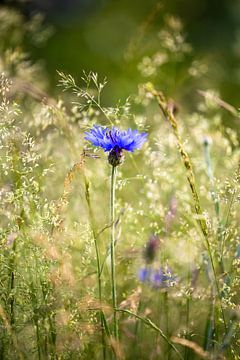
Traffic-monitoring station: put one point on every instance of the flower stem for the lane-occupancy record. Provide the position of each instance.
(113, 274)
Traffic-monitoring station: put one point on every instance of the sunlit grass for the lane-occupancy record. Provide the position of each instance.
(175, 225)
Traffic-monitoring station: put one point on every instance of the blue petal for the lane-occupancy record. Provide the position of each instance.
(107, 139)
(143, 274)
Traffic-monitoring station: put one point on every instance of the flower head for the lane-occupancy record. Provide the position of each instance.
(159, 278)
(163, 278)
(144, 274)
(115, 140)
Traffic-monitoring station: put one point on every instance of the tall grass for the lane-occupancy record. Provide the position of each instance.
(76, 283)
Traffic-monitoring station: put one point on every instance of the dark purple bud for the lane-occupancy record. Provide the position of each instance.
(207, 141)
(116, 156)
(151, 248)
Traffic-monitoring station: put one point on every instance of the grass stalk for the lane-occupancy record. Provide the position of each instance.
(215, 202)
(162, 102)
(166, 307)
(99, 270)
(12, 283)
(151, 324)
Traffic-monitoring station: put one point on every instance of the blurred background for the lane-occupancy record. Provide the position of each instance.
(113, 37)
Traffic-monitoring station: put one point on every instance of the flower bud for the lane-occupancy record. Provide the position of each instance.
(116, 156)
(151, 248)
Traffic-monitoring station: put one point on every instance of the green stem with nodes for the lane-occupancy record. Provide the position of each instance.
(113, 273)
(168, 114)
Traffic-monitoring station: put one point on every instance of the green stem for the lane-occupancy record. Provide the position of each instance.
(166, 307)
(186, 352)
(215, 202)
(38, 340)
(113, 274)
(138, 323)
(149, 323)
(99, 272)
(12, 283)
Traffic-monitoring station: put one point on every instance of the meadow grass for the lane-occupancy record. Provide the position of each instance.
(142, 265)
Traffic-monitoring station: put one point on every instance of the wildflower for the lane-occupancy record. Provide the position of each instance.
(163, 278)
(144, 274)
(151, 248)
(115, 141)
(158, 278)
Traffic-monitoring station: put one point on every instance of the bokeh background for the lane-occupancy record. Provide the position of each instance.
(111, 38)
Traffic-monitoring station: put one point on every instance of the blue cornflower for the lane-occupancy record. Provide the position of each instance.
(158, 278)
(115, 141)
(163, 278)
(144, 274)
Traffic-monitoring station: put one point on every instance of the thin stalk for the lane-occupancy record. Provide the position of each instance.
(11, 333)
(186, 352)
(151, 324)
(237, 177)
(138, 323)
(211, 323)
(166, 307)
(211, 178)
(215, 202)
(210, 330)
(94, 232)
(12, 283)
(38, 340)
(192, 183)
(52, 332)
(113, 272)
(12, 268)
(159, 313)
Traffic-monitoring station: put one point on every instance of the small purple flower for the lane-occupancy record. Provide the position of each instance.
(144, 274)
(158, 278)
(115, 141)
(163, 278)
